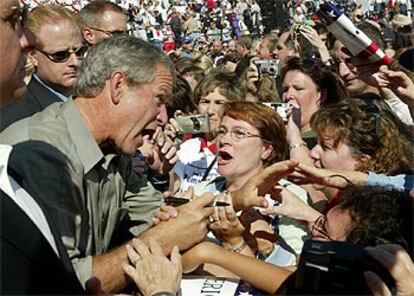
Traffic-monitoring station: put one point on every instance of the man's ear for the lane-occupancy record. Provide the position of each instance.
(32, 55)
(117, 85)
(88, 35)
(267, 151)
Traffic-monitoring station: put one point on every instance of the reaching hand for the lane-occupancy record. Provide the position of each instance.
(400, 266)
(192, 219)
(292, 207)
(398, 82)
(151, 270)
(163, 155)
(198, 255)
(252, 193)
(226, 226)
(312, 36)
(165, 213)
(307, 174)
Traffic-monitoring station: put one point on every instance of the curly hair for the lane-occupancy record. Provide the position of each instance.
(367, 129)
(266, 120)
(327, 81)
(380, 215)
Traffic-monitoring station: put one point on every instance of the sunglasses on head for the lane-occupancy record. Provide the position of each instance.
(64, 55)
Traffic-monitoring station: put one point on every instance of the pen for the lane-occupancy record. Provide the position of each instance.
(178, 201)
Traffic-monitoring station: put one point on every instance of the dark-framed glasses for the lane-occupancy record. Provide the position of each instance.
(319, 228)
(107, 32)
(236, 133)
(64, 55)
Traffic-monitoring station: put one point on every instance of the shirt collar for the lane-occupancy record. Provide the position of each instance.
(4, 177)
(61, 96)
(87, 149)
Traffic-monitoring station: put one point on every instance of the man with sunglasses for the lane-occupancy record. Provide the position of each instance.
(56, 57)
(100, 20)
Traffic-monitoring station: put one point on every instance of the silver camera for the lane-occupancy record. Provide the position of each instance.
(193, 124)
(280, 108)
(268, 67)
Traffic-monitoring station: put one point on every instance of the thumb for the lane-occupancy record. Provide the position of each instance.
(93, 286)
(273, 210)
(402, 91)
(375, 284)
(175, 256)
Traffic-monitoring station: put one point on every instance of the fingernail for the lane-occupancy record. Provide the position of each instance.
(173, 213)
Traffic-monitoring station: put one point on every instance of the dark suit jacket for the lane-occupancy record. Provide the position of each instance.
(37, 98)
(28, 263)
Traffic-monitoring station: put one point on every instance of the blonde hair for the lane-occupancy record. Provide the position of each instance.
(204, 62)
(48, 14)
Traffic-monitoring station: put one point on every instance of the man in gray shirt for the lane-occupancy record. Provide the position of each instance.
(122, 88)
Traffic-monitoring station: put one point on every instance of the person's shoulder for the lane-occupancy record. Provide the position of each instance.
(42, 125)
(15, 112)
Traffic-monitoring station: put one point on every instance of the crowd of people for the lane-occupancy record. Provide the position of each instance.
(141, 142)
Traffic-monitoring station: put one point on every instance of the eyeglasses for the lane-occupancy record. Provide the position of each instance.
(64, 55)
(109, 33)
(319, 228)
(237, 133)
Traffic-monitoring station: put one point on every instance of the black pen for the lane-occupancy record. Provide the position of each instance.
(178, 201)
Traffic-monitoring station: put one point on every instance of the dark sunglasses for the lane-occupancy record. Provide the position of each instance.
(64, 55)
(109, 33)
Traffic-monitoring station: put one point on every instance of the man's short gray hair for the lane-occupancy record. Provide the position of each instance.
(135, 57)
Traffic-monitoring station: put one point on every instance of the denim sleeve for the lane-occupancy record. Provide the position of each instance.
(401, 182)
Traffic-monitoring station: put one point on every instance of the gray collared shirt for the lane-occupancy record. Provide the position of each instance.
(103, 193)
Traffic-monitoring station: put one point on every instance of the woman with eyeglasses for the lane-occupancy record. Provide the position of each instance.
(366, 216)
(197, 154)
(250, 137)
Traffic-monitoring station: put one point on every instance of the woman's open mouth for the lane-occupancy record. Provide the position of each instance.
(224, 157)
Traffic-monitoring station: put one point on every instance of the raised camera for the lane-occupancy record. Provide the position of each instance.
(193, 124)
(335, 268)
(268, 67)
(280, 108)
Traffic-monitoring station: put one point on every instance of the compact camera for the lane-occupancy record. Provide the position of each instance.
(268, 67)
(335, 268)
(193, 124)
(280, 108)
